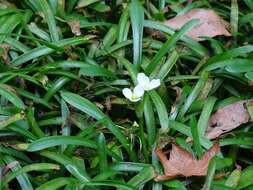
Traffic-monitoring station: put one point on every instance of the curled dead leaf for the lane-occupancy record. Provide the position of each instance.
(227, 118)
(182, 163)
(75, 27)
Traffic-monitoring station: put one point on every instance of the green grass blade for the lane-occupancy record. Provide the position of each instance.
(169, 44)
(168, 65)
(196, 137)
(33, 123)
(89, 108)
(110, 184)
(137, 18)
(234, 17)
(68, 163)
(49, 17)
(230, 54)
(150, 121)
(52, 141)
(28, 168)
(145, 175)
(194, 94)
(95, 71)
(10, 96)
(55, 87)
(57, 183)
(22, 179)
(210, 174)
(233, 178)
(197, 47)
(8, 24)
(33, 97)
(205, 115)
(131, 69)
(11, 119)
(43, 50)
(161, 109)
(102, 153)
(246, 178)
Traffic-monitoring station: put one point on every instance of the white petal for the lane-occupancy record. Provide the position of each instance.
(138, 91)
(135, 100)
(127, 93)
(154, 84)
(142, 79)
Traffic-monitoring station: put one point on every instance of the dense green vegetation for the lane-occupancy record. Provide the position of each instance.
(64, 122)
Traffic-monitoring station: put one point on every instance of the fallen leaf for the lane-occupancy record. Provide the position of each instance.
(75, 27)
(181, 163)
(210, 25)
(227, 118)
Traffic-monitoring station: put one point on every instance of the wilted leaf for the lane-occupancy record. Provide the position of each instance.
(210, 25)
(8, 167)
(75, 27)
(3, 53)
(227, 119)
(182, 163)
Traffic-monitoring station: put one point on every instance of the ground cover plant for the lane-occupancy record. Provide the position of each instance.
(104, 94)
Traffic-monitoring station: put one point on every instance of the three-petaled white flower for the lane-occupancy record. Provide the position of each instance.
(134, 95)
(144, 84)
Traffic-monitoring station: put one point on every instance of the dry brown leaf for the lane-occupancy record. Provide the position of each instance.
(210, 25)
(75, 27)
(227, 118)
(182, 163)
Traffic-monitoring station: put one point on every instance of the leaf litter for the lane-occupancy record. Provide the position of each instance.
(227, 118)
(210, 24)
(182, 163)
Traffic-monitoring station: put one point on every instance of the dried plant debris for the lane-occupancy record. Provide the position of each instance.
(227, 118)
(210, 25)
(75, 27)
(181, 163)
(4, 53)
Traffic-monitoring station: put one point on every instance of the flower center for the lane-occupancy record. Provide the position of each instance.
(146, 85)
(134, 96)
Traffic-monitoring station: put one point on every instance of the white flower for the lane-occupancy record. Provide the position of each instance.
(134, 95)
(145, 82)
